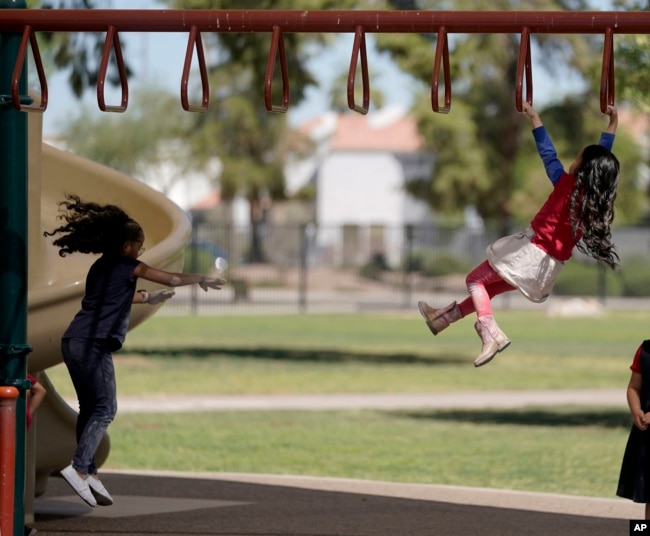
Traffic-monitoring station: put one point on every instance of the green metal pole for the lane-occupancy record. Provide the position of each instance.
(13, 250)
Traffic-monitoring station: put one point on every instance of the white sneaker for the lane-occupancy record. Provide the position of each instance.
(99, 491)
(78, 484)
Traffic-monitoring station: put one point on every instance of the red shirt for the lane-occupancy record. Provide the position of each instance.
(636, 362)
(552, 224)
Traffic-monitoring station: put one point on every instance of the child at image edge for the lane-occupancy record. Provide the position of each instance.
(634, 480)
(100, 327)
(578, 213)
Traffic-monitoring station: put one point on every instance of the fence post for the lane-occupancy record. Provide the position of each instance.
(407, 264)
(304, 246)
(194, 296)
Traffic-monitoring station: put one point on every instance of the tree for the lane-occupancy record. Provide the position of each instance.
(479, 145)
(338, 97)
(631, 58)
(134, 142)
(249, 140)
(80, 52)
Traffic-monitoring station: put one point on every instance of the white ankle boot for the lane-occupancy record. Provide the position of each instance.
(493, 339)
(439, 319)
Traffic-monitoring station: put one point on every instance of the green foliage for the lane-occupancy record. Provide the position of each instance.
(587, 279)
(136, 142)
(632, 56)
(631, 279)
(197, 260)
(374, 268)
(441, 264)
(482, 147)
(79, 53)
(636, 277)
(459, 175)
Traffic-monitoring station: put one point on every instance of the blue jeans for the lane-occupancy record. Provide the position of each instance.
(91, 369)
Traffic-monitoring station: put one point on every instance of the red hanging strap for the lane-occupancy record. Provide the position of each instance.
(112, 40)
(359, 47)
(28, 38)
(193, 41)
(277, 48)
(524, 67)
(607, 89)
(442, 57)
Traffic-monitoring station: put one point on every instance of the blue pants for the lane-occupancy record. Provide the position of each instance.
(91, 369)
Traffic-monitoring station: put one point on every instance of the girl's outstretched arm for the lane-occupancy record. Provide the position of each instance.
(171, 279)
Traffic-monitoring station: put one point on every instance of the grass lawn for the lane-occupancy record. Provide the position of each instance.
(561, 450)
(567, 450)
(369, 353)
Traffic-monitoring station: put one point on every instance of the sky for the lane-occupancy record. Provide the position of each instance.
(157, 59)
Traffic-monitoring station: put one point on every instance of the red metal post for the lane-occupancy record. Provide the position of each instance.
(8, 398)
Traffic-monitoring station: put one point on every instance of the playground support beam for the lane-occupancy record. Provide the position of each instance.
(327, 21)
(13, 260)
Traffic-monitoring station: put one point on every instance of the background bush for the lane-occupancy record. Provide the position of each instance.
(198, 260)
(445, 264)
(588, 279)
(635, 274)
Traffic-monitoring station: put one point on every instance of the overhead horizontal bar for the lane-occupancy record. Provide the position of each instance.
(385, 21)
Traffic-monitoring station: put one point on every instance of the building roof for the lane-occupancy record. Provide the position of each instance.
(209, 201)
(389, 129)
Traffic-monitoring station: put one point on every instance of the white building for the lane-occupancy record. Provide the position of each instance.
(361, 167)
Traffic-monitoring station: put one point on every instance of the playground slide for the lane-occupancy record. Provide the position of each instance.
(56, 284)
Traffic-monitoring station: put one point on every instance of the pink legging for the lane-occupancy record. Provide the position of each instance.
(483, 283)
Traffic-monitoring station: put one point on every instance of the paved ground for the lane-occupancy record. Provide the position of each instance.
(155, 503)
(254, 505)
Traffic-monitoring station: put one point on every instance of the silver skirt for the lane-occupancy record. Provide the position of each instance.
(524, 265)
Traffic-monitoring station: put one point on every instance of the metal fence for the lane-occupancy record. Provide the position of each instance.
(348, 268)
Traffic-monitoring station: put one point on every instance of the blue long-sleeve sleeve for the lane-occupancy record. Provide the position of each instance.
(546, 149)
(548, 154)
(607, 140)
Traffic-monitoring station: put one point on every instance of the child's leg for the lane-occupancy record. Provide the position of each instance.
(647, 510)
(483, 283)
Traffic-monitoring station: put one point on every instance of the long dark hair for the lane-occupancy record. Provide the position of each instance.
(93, 228)
(592, 204)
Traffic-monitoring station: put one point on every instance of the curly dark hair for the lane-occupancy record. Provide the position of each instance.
(93, 228)
(592, 204)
